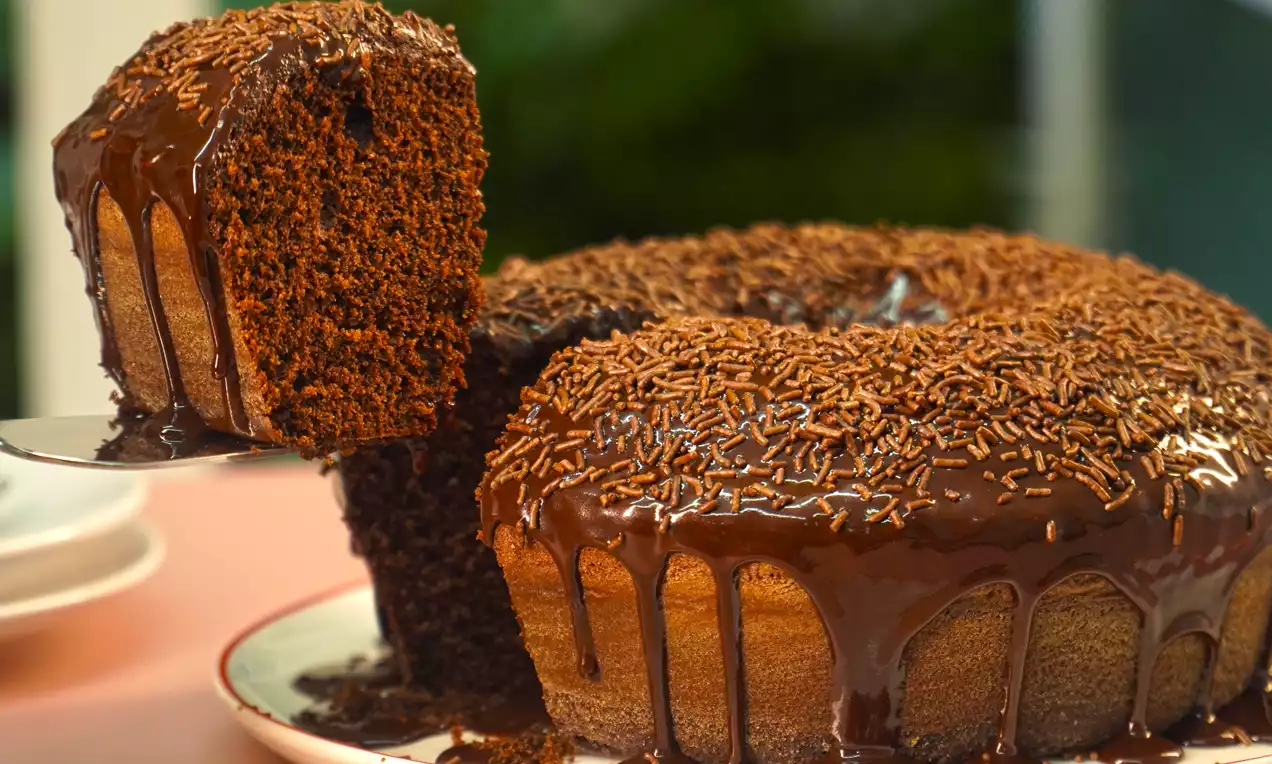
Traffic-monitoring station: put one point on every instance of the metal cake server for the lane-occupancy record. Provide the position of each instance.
(104, 441)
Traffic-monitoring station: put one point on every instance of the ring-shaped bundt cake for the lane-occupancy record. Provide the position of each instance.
(1047, 496)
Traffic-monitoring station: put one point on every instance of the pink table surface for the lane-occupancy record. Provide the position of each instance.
(128, 679)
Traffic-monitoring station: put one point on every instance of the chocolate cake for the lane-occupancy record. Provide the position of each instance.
(1023, 532)
(404, 500)
(277, 212)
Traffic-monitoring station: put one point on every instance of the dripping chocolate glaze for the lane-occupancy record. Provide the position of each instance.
(892, 532)
(152, 133)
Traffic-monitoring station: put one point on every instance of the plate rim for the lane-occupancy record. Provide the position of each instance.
(262, 720)
(115, 582)
(107, 517)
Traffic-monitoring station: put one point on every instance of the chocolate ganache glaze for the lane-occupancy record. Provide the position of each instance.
(1118, 429)
(167, 116)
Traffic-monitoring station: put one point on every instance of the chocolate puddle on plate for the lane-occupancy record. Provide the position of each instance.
(365, 702)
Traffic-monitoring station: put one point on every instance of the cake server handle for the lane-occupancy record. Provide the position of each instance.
(103, 442)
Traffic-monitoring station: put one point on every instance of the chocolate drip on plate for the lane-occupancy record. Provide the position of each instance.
(1247, 717)
(369, 703)
(466, 753)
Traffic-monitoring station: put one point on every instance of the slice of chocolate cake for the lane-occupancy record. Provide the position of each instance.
(277, 212)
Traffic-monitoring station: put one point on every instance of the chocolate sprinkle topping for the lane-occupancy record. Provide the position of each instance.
(1160, 348)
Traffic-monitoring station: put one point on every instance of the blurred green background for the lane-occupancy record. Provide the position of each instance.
(610, 118)
(627, 118)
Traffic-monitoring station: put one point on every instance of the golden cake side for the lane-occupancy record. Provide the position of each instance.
(1018, 532)
(1078, 681)
(185, 315)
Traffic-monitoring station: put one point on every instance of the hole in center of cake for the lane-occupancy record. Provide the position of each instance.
(357, 123)
(897, 305)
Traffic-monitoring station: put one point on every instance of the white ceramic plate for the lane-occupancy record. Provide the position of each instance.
(46, 505)
(37, 587)
(257, 669)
